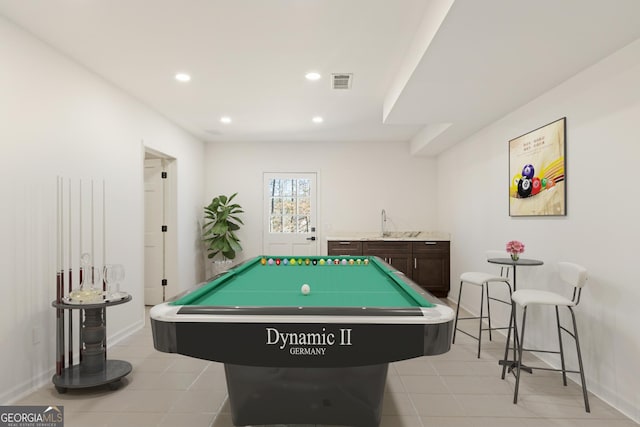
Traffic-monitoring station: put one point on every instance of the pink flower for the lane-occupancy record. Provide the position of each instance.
(515, 247)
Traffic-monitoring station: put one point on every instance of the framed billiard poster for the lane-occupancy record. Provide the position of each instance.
(537, 172)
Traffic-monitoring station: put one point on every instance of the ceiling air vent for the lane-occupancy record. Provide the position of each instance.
(341, 81)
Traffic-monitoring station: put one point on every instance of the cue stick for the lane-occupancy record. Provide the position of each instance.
(61, 219)
(104, 263)
(80, 270)
(70, 282)
(80, 234)
(58, 346)
(104, 236)
(93, 252)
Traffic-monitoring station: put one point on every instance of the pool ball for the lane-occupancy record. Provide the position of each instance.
(315, 262)
(321, 262)
(329, 261)
(336, 261)
(536, 186)
(550, 183)
(528, 171)
(351, 262)
(524, 187)
(299, 261)
(305, 289)
(543, 182)
(263, 261)
(513, 188)
(285, 261)
(270, 262)
(358, 261)
(278, 261)
(293, 261)
(366, 261)
(307, 261)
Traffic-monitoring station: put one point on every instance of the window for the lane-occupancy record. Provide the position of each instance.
(290, 205)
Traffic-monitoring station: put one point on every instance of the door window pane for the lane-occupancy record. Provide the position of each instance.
(290, 205)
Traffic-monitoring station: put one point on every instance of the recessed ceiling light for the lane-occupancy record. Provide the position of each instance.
(312, 76)
(183, 77)
(317, 119)
(225, 119)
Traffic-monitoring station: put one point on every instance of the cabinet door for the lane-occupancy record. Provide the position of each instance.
(401, 263)
(431, 267)
(344, 247)
(397, 254)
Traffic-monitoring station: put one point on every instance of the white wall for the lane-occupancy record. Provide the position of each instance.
(601, 230)
(356, 181)
(57, 118)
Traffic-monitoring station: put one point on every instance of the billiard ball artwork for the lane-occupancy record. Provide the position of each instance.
(528, 184)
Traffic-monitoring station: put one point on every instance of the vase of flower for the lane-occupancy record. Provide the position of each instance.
(515, 248)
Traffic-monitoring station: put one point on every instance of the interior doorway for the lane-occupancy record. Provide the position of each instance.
(160, 241)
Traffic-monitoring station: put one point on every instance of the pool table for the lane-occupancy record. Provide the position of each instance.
(310, 358)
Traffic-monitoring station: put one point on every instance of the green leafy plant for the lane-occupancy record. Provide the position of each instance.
(221, 223)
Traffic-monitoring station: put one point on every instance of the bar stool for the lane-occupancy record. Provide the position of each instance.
(573, 275)
(483, 280)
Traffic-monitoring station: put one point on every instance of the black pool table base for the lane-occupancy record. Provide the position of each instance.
(343, 396)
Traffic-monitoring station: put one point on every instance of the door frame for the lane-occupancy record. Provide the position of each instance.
(170, 219)
(316, 201)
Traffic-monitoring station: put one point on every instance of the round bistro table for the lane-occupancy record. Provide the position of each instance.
(523, 262)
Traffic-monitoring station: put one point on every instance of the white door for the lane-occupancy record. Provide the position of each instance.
(153, 236)
(290, 217)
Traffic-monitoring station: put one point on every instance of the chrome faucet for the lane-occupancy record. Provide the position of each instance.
(383, 220)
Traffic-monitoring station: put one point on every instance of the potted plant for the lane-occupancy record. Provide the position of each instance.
(221, 223)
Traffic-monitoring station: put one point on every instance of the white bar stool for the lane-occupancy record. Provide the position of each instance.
(483, 280)
(574, 275)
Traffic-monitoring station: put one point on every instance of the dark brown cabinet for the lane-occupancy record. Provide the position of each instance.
(344, 247)
(397, 254)
(424, 262)
(431, 266)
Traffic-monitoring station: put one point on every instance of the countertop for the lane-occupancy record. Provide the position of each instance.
(392, 236)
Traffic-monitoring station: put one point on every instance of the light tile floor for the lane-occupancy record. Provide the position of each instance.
(451, 390)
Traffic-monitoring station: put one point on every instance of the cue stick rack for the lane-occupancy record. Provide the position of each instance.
(80, 258)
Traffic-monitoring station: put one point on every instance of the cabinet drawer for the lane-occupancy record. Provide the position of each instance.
(344, 247)
(430, 246)
(386, 247)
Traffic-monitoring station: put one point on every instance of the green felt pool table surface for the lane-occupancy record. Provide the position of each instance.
(253, 284)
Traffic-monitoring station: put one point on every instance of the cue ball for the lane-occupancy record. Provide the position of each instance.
(305, 289)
